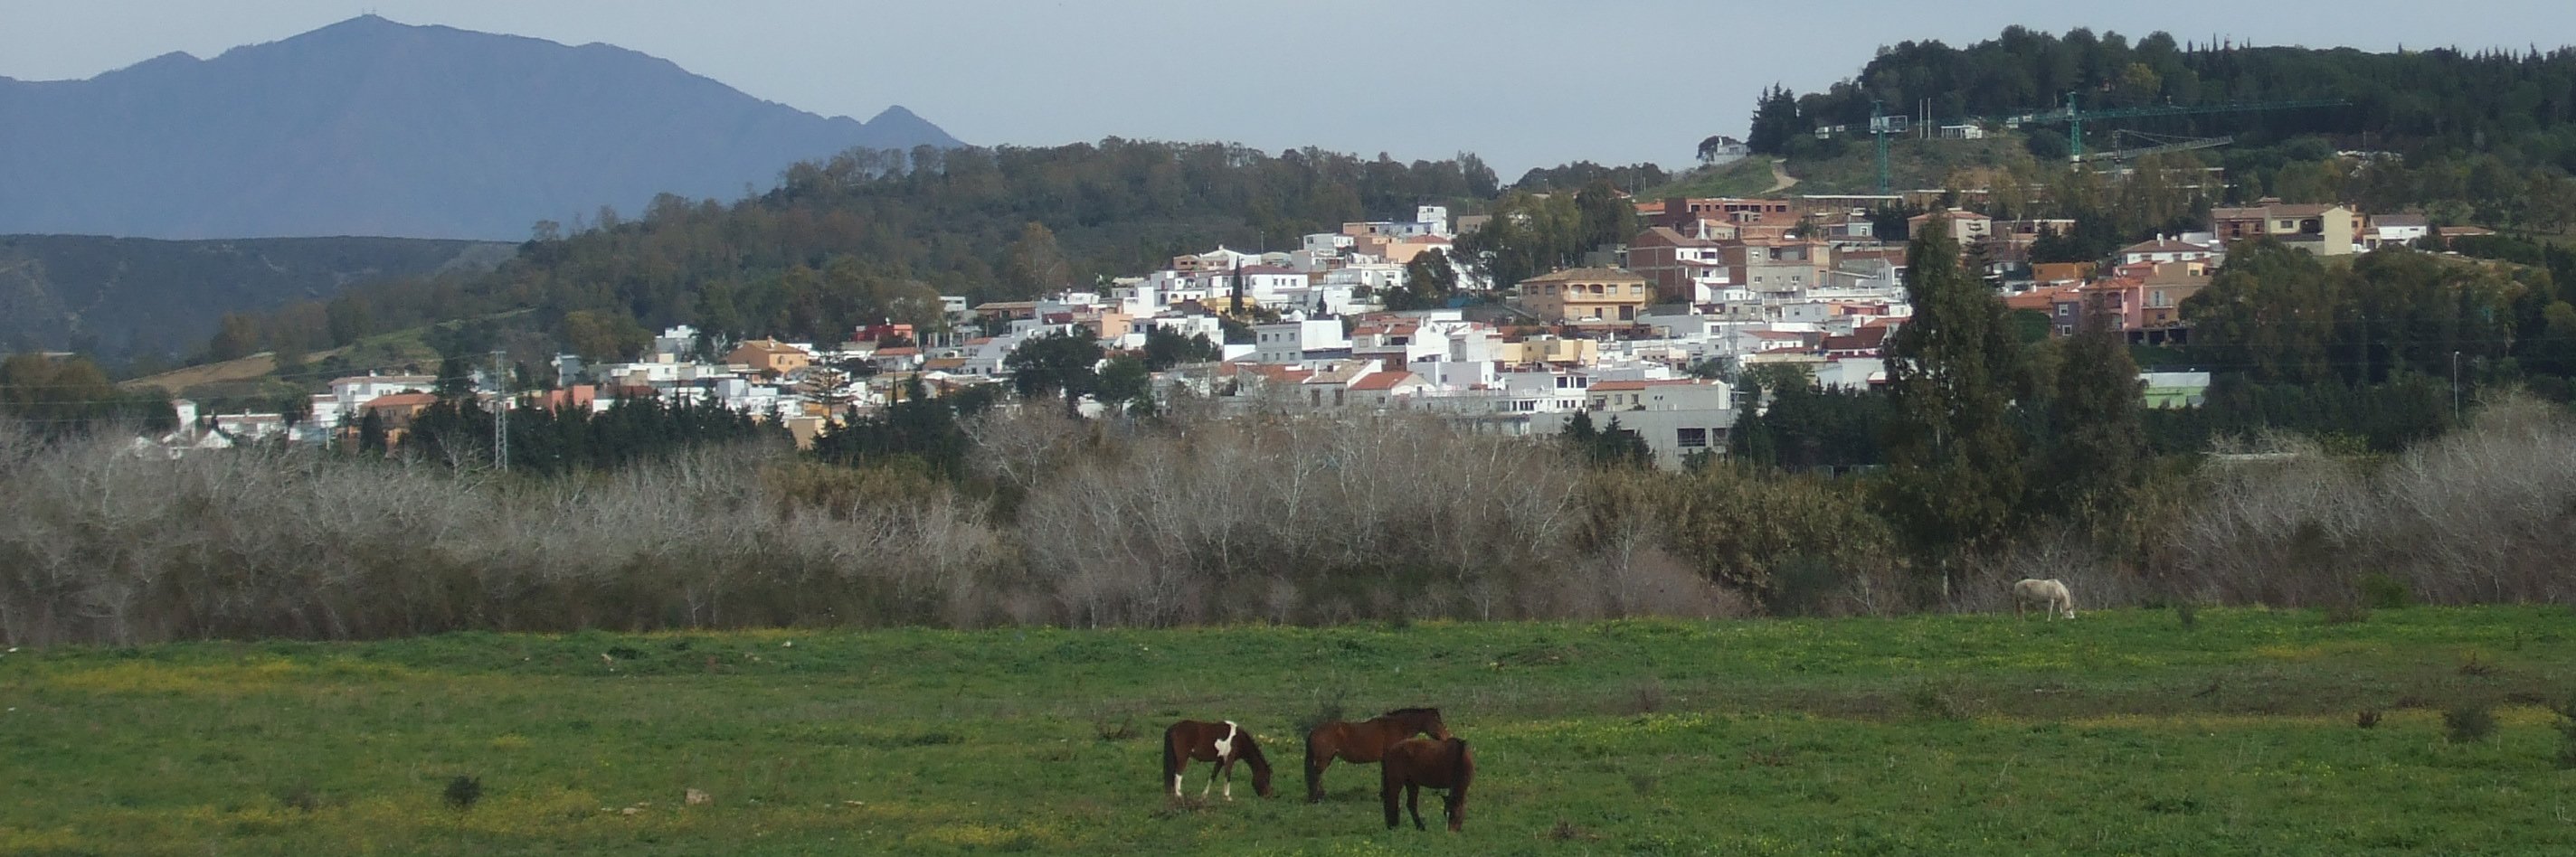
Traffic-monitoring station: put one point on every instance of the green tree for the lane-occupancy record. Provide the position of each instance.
(2096, 447)
(1035, 262)
(1606, 446)
(236, 336)
(1954, 458)
(1126, 384)
(1056, 365)
(1775, 122)
(1166, 348)
(1428, 282)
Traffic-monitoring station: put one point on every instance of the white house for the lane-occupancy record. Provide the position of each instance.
(1300, 342)
(2399, 229)
(2164, 249)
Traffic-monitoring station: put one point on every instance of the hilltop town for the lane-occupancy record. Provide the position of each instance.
(1642, 337)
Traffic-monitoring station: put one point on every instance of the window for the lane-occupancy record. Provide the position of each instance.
(1691, 438)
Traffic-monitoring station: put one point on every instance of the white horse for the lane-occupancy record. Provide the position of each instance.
(2049, 596)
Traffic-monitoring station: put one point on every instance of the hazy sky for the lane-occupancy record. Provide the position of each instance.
(1521, 83)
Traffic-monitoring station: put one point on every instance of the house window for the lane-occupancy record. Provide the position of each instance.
(1692, 438)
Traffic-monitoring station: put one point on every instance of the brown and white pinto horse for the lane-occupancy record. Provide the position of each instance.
(1223, 743)
(1364, 742)
(1421, 763)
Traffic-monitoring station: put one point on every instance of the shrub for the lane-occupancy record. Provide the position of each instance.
(2382, 592)
(1937, 698)
(2566, 727)
(2468, 722)
(1646, 697)
(463, 792)
(2475, 665)
(2367, 719)
(2347, 612)
(2188, 613)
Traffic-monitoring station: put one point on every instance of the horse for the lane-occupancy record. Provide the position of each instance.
(1419, 763)
(2050, 596)
(1364, 742)
(1223, 743)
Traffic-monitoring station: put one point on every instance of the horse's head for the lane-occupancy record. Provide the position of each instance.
(1250, 752)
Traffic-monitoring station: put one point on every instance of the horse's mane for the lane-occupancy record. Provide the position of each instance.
(1400, 712)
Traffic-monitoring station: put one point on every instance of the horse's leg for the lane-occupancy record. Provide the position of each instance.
(1457, 806)
(1386, 795)
(1228, 768)
(1315, 765)
(1413, 803)
(1175, 774)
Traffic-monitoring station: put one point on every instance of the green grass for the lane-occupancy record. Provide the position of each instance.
(1747, 177)
(1912, 164)
(2118, 733)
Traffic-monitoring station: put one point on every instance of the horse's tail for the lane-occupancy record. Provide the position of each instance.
(1460, 766)
(1171, 757)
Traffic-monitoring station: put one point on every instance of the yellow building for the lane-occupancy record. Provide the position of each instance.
(1587, 295)
(770, 357)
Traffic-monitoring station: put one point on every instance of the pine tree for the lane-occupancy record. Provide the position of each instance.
(1954, 460)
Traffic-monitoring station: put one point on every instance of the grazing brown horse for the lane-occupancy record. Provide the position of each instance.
(1364, 742)
(1421, 763)
(1223, 743)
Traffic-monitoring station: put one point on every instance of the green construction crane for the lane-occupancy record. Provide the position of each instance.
(2075, 116)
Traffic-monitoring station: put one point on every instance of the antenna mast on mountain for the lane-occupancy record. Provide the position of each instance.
(500, 414)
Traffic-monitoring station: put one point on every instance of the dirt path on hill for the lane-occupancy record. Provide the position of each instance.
(1780, 178)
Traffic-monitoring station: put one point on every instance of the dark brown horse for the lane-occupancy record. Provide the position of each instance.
(1364, 742)
(1223, 743)
(1419, 764)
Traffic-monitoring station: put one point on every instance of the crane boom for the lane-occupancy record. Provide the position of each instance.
(2074, 115)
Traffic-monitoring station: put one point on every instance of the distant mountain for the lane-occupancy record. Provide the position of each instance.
(122, 296)
(372, 127)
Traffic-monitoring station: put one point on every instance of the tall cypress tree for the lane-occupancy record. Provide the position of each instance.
(1954, 459)
(2097, 444)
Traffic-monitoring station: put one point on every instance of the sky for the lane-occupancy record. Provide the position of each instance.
(1519, 82)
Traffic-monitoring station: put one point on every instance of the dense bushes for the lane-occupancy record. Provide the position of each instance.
(1073, 522)
(100, 546)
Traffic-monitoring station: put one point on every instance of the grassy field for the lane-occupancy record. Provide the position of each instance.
(2116, 733)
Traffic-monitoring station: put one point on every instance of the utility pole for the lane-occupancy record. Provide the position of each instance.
(2455, 387)
(500, 413)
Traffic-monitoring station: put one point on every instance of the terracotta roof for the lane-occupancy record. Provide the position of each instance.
(1381, 380)
(402, 400)
(1618, 386)
(2040, 298)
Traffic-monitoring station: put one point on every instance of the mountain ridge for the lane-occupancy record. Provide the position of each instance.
(374, 127)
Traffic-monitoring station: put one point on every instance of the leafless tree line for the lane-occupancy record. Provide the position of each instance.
(97, 545)
(2487, 514)
(1109, 523)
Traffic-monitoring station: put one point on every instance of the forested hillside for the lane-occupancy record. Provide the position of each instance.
(119, 297)
(2478, 137)
(869, 235)
(2413, 100)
